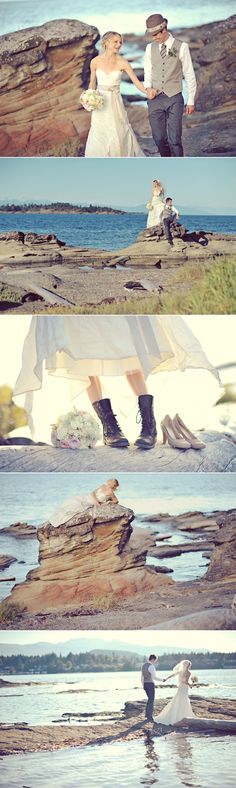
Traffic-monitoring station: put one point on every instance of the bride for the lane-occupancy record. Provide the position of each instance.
(156, 204)
(111, 134)
(79, 503)
(179, 707)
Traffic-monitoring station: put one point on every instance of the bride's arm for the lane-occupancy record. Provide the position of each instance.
(93, 77)
(127, 67)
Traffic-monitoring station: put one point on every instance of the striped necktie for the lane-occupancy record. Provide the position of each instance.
(163, 51)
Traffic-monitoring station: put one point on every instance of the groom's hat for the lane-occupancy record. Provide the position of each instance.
(156, 23)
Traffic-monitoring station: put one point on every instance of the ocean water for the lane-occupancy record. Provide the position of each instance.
(38, 495)
(104, 231)
(176, 760)
(101, 694)
(128, 16)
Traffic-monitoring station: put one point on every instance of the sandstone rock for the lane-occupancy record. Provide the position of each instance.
(6, 561)
(86, 564)
(43, 71)
(19, 530)
(223, 559)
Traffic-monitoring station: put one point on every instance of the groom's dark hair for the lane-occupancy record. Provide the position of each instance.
(152, 656)
(168, 199)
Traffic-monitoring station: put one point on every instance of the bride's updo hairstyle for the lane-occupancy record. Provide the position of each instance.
(157, 185)
(182, 666)
(107, 36)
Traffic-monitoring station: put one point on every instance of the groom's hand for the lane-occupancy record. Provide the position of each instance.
(190, 109)
(151, 93)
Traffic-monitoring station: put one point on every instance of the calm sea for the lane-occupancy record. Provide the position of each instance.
(36, 497)
(176, 760)
(127, 16)
(110, 232)
(93, 693)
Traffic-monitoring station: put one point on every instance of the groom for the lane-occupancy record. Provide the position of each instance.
(167, 62)
(148, 677)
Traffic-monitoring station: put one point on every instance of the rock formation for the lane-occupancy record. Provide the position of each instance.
(6, 561)
(86, 564)
(223, 560)
(42, 73)
(19, 530)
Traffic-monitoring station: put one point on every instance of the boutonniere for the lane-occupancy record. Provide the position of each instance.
(173, 52)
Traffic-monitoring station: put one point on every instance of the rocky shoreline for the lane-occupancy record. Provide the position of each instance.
(44, 69)
(40, 270)
(212, 715)
(92, 573)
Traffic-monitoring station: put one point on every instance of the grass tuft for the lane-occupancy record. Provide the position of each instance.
(9, 613)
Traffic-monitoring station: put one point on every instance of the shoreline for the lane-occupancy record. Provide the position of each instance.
(204, 603)
(214, 715)
(40, 272)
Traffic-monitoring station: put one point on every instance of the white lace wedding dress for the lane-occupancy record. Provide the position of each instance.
(111, 134)
(178, 708)
(155, 212)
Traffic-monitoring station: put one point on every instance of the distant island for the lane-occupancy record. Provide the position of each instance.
(97, 661)
(57, 207)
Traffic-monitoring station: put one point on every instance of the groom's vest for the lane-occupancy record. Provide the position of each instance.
(167, 73)
(146, 674)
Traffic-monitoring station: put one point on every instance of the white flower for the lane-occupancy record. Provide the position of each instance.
(76, 429)
(91, 99)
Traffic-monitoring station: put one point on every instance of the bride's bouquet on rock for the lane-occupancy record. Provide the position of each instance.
(91, 99)
(75, 430)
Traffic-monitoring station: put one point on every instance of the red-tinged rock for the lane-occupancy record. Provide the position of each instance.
(42, 74)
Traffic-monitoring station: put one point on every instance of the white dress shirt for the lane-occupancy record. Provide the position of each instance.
(187, 66)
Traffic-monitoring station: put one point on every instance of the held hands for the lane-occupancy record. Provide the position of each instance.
(189, 109)
(151, 93)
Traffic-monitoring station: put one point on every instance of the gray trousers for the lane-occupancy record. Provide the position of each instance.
(165, 116)
(149, 688)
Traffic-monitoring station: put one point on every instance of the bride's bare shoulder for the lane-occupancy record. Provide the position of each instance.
(95, 61)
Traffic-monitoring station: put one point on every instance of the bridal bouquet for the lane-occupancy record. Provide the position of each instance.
(75, 430)
(11, 416)
(194, 679)
(149, 206)
(91, 99)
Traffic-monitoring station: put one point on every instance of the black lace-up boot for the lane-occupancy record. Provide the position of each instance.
(147, 438)
(112, 433)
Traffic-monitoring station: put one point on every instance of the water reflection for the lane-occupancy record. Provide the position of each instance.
(183, 756)
(151, 762)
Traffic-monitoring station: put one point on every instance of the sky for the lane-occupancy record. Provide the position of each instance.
(206, 639)
(199, 185)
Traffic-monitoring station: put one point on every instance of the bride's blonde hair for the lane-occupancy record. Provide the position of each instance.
(108, 35)
(158, 184)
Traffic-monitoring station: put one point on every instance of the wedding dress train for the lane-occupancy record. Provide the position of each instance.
(177, 709)
(76, 504)
(111, 134)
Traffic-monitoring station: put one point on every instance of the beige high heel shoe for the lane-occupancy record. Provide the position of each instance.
(179, 425)
(171, 436)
